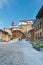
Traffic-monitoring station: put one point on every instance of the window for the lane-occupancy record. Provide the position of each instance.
(40, 34)
(40, 25)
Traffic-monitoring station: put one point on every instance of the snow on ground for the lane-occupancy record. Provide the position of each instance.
(14, 40)
(19, 53)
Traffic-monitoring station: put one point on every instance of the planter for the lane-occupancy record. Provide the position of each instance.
(36, 46)
(41, 49)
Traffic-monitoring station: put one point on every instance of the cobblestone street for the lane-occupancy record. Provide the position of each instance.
(19, 53)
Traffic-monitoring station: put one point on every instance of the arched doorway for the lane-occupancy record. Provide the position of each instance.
(17, 34)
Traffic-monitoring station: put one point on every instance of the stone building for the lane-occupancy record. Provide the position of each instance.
(31, 35)
(4, 36)
(25, 26)
(17, 34)
(9, 30)
(1, 34)
(20, 30)
(38, 25)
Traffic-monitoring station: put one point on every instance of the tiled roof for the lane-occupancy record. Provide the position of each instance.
(40, 13)
(31, 31)
(26, 20)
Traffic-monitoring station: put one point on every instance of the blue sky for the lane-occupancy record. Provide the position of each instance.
(16, 10)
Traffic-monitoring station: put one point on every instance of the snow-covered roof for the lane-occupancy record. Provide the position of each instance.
(22, 23)
(25, 23)
(10, 33)
(15, 29)
(7, 30)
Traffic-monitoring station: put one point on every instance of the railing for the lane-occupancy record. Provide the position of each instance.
(37, 21)
(40, 38)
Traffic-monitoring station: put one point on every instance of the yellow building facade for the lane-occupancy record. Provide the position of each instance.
(6, 36)
(25, 25)
(38, 25)
(19, 31)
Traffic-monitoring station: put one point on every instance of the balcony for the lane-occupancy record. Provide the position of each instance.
(37, 21)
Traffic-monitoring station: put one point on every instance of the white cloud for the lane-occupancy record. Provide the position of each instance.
(4, 3)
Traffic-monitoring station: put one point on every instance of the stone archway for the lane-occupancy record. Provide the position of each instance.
(17, 34)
